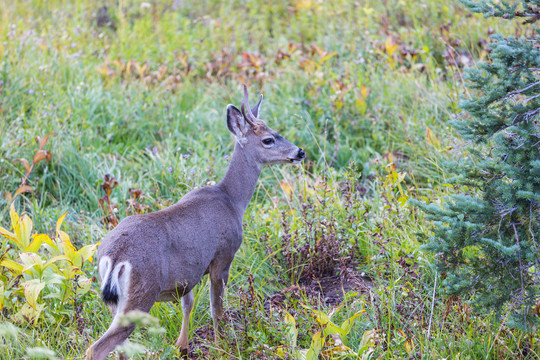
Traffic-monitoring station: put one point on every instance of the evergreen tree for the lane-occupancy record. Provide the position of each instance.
(487, 237)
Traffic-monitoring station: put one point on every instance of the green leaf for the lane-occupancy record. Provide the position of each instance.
(346, 325)
(32, 289)
(317, 342)
(31, 260)
(293, 331)
(88, 251)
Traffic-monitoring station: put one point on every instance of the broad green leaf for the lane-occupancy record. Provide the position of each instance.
(330, 329)
(317, 342)
(32, 289)
(88, 251)
(347, 324)
(31, 260)
(83, 285)
(53, 279)
(28, 313)
(293, 331)
(55, 259)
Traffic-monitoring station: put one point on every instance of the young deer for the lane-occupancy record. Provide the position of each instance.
(161, 256)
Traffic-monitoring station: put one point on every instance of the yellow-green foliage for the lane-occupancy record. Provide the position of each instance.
(38, 273)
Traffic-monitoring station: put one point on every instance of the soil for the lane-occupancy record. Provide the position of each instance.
(329, 289)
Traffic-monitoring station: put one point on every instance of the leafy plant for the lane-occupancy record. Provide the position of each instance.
(330, 340)
(44, 272)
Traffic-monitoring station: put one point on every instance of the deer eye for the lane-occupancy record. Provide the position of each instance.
(268, 141)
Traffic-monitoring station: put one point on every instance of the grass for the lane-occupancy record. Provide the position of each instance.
(366, 88)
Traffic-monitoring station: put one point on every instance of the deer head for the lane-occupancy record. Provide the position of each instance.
(262, 144)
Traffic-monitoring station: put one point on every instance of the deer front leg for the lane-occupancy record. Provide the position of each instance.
(183, 340)
(217, 287)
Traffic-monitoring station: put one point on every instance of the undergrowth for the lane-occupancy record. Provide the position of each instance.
(133, 95)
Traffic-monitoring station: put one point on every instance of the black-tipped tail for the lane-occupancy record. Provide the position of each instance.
(109, 293)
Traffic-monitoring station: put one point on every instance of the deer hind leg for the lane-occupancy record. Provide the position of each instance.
(218, 280)
(116, 291)
(183, 340)
(113, 337)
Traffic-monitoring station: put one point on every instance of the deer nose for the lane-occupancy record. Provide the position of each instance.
(301, 153)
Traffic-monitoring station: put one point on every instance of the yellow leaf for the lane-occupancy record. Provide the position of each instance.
(55, 259)
(389, 46)
(27, 225)
(431, 138)
(8, 234)
(287, 188)
(317, 342)
(23, 189)
(60, 220)
(368, 11)
(14, 218)
(35, 244)
(340, 349)
(12, 265)
(361, 105)
(409, 345)
(365, 91)
(47, 240)
(289, 319)
(327, 57)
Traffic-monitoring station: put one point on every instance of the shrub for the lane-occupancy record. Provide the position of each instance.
(39, 274)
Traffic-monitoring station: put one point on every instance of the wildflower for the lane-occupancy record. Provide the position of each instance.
(31, 91)
(226, 157)
(169, 169)
(192, 172)
(186, 156)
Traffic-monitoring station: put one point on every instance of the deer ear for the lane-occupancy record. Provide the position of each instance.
(237, 124)
(257, 108)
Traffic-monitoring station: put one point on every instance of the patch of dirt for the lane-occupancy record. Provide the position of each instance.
(198, 346)
(328, 289)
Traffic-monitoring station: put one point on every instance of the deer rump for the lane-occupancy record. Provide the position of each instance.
(166, 253)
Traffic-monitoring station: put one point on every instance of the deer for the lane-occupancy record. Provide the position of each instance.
(161, 256)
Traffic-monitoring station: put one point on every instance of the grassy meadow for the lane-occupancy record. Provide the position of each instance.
(135, 92)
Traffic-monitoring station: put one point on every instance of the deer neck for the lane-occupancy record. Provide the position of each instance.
(241, 178)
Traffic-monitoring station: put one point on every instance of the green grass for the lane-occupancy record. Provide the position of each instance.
(356, 112)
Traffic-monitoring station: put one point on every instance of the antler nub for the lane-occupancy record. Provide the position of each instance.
(250, 118)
